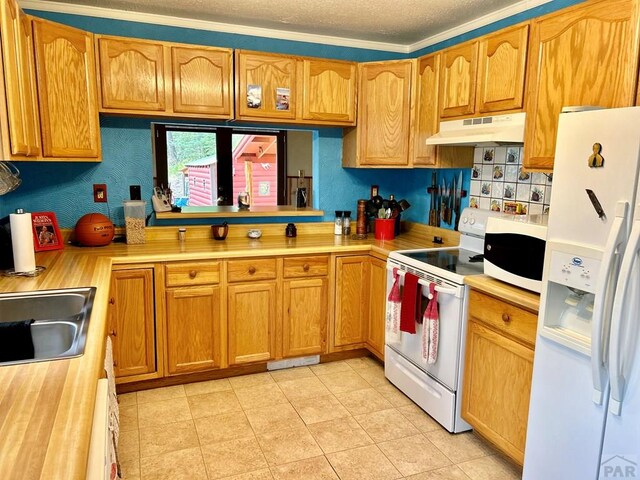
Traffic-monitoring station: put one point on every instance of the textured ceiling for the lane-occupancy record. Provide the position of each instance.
(399, 22)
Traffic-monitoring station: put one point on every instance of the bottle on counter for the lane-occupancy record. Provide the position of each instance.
(337, 227)
(361, 220)
(346, 222)
(395, 213)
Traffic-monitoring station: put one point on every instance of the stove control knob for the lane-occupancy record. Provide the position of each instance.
(465, 219)
(472, 221)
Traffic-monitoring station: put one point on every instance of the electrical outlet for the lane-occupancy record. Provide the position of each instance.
(100, 192)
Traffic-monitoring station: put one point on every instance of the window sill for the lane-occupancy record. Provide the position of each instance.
(214, 212)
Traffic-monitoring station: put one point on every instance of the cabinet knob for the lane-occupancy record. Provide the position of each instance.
(193, 274)
(305, 267)
(113, 333)
(112, 301)
(506, 318)
(115, 364)
(252, 270)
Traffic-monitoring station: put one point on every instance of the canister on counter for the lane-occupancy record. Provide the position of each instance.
(346, 223)
(337, 227)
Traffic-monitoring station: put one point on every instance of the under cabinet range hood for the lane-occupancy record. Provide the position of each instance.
(481, 131)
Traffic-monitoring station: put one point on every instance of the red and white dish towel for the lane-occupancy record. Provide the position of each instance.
(430, 328)
(392, 314)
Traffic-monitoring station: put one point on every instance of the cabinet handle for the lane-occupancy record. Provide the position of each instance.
(506, 318)
(305, 267)
(113, 333)
(112, 301)
(193, 274)
(252, 270)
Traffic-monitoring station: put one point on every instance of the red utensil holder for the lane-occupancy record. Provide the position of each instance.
(385, 228)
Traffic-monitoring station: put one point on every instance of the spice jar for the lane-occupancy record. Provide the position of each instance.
(337, 227)
(346, 223)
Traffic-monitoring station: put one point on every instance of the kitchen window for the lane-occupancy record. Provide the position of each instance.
(210, 166)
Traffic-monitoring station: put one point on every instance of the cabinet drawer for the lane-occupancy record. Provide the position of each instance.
(255, 269)
(515, 322)
(192, 273)
(306, 266)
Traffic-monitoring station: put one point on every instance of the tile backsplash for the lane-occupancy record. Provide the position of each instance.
(499, 183)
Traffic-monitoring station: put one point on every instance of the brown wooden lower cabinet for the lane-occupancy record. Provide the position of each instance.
(377, 306)
(193, 329)
(304, 327)
(132, 323)
(352, 301)
(498, 370)
(251, 316)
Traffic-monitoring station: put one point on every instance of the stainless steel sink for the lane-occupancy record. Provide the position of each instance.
(61, 320)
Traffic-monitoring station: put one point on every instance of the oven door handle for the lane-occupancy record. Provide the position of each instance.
(439, 288)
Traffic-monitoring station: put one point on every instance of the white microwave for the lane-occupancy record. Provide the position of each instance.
(514, 248)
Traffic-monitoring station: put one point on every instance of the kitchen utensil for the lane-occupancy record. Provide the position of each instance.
(443, 200)
(458, 200)
(432, 211)
(9, 177)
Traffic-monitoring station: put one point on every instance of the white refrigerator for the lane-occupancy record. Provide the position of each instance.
(584, 413)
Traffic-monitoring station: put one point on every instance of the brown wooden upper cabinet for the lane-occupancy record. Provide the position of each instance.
(502, 60)
(486, 75)
(20, 83)
(382, 138)
(329, 91)
(266, 86)
(583, 55)
(290, 89)
(65, 67)
(202, 80)
(140, 76)
(458, 80)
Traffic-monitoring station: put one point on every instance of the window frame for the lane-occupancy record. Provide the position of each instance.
(224, 165)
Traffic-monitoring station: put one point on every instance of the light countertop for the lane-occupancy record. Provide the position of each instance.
(46, 408)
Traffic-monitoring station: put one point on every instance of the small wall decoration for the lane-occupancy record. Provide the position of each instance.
(282, 98)
(46, 233)
(254, 96)
(595, 159)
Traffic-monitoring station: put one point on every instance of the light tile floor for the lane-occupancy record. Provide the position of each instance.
(339, 420)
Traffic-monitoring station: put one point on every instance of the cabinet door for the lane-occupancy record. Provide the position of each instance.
(265, 86)
(352, 300)
(19, 77)
(377, 307)
(202, 81)
(426, 103)
(458, 80)
(65, 64)
(131, 74)
(501, 66)
(131, 322)
(585, 55)
(304, 326)
(384, 113)
(252, 317)
(497, 384)
(329, 91)
(193, 329)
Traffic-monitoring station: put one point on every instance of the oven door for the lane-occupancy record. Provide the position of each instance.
(450, 312)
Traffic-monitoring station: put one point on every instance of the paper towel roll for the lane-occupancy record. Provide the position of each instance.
(24, 258)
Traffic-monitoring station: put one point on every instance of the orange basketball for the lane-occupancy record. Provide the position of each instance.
(94, 230)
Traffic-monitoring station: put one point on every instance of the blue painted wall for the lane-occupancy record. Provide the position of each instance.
(66, 188)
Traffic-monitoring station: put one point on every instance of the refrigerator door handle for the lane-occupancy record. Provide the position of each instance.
(618, 316)
(609, 257)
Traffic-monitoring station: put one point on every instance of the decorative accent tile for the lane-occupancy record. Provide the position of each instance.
(537, 194)
(488, 155)
(524, 176)
(513, 155)
(476, 171)
(498, 172)
(496, 205)
(485, 189)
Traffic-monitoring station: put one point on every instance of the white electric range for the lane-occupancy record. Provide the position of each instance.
(436, 388)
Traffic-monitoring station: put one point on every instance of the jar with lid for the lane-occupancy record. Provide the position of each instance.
(337, 227)
(346, 223)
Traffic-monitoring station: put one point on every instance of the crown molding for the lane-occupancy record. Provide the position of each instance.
(150, 18)
(483, 21)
